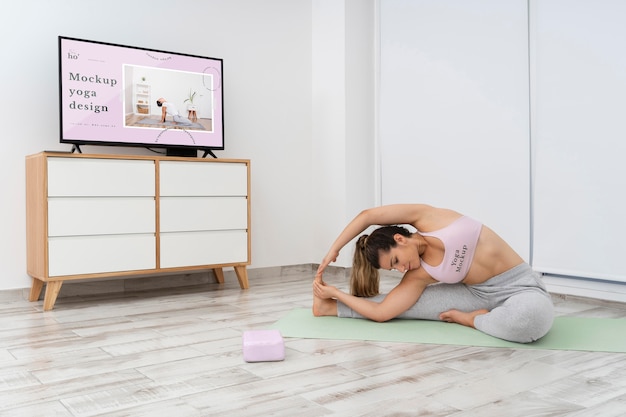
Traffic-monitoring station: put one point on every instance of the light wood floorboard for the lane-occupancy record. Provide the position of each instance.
(178, 352)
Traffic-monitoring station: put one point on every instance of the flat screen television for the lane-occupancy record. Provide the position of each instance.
(129, 96)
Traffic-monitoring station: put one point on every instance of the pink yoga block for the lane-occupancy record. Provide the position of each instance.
(263, 346)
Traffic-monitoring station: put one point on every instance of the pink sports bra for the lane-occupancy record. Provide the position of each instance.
(459, 241)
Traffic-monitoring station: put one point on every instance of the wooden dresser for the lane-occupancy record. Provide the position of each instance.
(107, 216)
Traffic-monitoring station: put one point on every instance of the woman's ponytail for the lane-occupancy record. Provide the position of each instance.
(364, 278)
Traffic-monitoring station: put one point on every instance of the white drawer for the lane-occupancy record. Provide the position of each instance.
(95, 254)
(203, 248)
(100, 177)
(69, 216)
(179, 214)
(179, 178)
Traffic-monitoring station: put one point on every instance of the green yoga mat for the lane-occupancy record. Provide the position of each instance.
(567, 333)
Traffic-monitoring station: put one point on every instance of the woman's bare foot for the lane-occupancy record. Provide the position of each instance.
(461, 317)
(322, 307)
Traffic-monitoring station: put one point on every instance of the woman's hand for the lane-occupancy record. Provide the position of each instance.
(331, 256)
(321, 290)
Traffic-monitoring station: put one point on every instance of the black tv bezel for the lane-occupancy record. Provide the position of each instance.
(170, 149)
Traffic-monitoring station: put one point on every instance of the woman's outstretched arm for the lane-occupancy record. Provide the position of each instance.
(383, 215)
(400, 299)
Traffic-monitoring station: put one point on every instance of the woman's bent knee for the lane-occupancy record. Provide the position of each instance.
(520, 325)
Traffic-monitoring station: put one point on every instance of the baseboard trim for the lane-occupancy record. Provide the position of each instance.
(584, 288)
(587, 288)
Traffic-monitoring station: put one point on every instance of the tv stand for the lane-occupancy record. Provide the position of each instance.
(76, 148)
(185, 152)
(188, 153)
(114, 216)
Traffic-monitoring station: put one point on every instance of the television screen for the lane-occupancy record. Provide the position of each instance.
(129, 96)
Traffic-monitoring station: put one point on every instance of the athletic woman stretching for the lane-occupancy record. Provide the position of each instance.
(455, 269)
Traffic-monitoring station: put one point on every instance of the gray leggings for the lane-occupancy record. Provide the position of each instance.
(520, 308)
(182, 120)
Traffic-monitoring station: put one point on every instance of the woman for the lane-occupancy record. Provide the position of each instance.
(455, 270)
(168, 107)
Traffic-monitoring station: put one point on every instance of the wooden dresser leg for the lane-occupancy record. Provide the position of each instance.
(35, 290)
(219, 275)
(52, 291)
(242, 276)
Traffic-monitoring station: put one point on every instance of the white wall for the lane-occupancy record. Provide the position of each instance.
(267, 51)
(328, 122)
(454, 110)
(343, 118)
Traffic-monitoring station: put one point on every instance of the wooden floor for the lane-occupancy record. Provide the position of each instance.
(178, 352)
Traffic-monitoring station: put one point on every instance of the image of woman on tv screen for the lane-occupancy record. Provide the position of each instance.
(169, 108)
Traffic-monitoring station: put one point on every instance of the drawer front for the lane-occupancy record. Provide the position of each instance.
(179, 214)
(178, 178)
(96, 254)
(70, 216)
(100, 177)
(203, 248)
